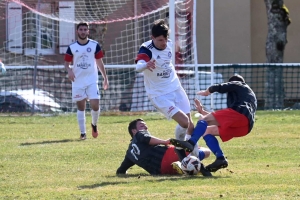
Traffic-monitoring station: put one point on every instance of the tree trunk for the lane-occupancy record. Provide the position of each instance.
(278, 21)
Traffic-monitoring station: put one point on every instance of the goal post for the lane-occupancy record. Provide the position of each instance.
(42, 30)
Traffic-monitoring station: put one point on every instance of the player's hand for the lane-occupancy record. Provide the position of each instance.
(105, 84)
(167, 142)
(198, 105)
(203, 93)
(71, 75)
(151, 65)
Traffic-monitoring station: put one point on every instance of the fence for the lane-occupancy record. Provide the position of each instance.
(276, 87)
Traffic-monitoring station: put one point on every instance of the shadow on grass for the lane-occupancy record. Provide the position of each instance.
(158, 179)
(49, 142)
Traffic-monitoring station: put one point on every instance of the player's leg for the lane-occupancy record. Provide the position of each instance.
(79, 96)
(213, 144)
(222, 119)
(199, 130)
(81, 119)
(94, 96)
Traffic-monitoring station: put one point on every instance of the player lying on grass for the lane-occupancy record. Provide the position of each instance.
(236, 120)
(153, 154)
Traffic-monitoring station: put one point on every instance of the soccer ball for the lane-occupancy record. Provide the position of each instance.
(191, 165)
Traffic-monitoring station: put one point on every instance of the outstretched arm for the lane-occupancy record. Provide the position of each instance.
(157, 141)
(200, 108)
(126, 164)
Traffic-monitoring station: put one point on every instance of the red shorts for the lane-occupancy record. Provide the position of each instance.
(166, 163)
(231, 124)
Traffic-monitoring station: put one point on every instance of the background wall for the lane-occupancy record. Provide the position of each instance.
(241, 31)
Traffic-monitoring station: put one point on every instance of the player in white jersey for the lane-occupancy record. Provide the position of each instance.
(162, 84)
(86, 55)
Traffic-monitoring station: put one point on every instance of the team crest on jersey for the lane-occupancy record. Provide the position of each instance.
(170, 54)
(88, 49)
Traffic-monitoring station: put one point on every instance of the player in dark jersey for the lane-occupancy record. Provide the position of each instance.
(236, 120)
(152, 153)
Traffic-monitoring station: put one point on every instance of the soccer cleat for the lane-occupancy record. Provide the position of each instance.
(183, 144)
(94, 131)
(218, 164)
(83, 136)
(204, 171)
(177, 167)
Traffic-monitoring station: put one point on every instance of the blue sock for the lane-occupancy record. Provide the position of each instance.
(201, 154)
(199, 130)
(213, 144)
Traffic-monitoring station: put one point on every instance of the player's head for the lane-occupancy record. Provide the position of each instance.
(160, 33)
(136, 125)
(237, 77)
(82, 30)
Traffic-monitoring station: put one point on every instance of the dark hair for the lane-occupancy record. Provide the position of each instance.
(132, 125)
(160, 28)
(237, 77)
(82, 24)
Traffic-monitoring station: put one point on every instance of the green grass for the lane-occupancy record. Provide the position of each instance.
(42, 158)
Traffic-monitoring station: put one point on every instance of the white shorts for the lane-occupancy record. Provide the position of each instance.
(88, 92)
(169, 104)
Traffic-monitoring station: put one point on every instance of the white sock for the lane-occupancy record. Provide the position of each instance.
(95, 116)
(187, 136)
(81, 121)
(180, 132)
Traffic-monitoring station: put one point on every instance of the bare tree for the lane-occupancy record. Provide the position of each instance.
(278, 21)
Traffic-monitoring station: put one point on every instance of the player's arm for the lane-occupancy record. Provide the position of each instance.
(144, 61)
(146, 138)
(100, 65)
(200, 107)
(157, 141)
(68, 60)
(101, 68)
(125, 165)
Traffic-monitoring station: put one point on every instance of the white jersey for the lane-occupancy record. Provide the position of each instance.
(84, 64)
(163, 79)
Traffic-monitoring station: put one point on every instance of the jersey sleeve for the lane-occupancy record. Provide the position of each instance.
(143, 54)
(98, 52)
(69, 55)
(125, 165)
(143, 137)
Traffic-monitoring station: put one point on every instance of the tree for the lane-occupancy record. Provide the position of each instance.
(278, 21)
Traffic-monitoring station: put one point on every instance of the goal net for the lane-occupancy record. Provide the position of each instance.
(38, 33)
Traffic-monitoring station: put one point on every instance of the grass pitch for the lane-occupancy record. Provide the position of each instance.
(42, 158)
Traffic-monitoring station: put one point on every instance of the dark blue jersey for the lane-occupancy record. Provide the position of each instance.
(240, 98)
(141, 153)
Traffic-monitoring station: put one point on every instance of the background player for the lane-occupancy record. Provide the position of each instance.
(86, 55)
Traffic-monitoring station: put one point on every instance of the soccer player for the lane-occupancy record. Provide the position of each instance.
(236, 120)
(86, 55)
(153, 154)
(161, 82)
